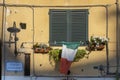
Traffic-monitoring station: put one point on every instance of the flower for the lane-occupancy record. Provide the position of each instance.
(41, 48)
(98, 40)
(96, 43)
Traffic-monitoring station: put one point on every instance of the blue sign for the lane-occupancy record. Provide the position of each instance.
(14, 66)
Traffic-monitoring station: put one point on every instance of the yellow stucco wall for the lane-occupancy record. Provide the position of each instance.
(96, 23)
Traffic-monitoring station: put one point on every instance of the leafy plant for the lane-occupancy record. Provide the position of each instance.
(55, 55)
(81, 53)
(98, 40)
(36, 46)
(41, 48)
(41, 45)
(96, 43)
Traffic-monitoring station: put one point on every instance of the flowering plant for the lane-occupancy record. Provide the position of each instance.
(98, 40)
(41, 48)
(96, 43)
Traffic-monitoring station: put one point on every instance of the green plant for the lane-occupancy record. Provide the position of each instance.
(41, 48)
(41, 45)
(81, 53)
(98, 40)
(55, 55)
(96, 43)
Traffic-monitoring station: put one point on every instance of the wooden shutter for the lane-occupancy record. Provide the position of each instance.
(79, 25)
(58, 25)
(68, 25)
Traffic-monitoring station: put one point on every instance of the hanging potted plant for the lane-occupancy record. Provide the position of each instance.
(55, 55)
(41, 48)
(81, 53)
(96, 43)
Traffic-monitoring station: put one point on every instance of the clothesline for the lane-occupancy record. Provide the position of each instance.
(63, 42)
(55, 42)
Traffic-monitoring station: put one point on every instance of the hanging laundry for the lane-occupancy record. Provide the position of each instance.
(68, 53)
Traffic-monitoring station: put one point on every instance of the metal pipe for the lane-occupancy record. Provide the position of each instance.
(2, 41)
(117, 37)
(35, 6)
(33, 40)
(10, 39)
(15, 39)
(3, 37)
(107, 51)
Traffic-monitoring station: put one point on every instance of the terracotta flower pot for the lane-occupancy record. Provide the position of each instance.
(41, 50)
(100, 47)
(37, 50)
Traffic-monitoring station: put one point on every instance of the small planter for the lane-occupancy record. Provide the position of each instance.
(96, 43)
(41, 48)
(100, 47)
(94, 48)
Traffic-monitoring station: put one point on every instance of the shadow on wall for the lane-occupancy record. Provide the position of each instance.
(79, 69)
(82, 68)
(0, 58)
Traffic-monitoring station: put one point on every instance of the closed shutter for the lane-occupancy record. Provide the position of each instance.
(68, 25)
(58, 25)
(79, 25)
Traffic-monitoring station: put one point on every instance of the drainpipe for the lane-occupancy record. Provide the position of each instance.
(33, 65)
(2, 41)
(3, 38)
(107, 51)
(117, 38)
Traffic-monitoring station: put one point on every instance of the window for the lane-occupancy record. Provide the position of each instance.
(68, 25)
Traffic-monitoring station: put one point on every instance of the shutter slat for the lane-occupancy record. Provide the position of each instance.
(78, 24)
(68, 25)
(58, 25)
